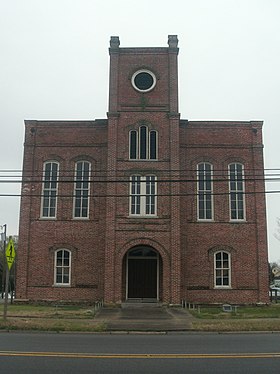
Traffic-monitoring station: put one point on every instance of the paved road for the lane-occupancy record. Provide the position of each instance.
(162, 353)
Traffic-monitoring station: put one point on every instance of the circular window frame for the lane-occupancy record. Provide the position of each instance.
(143, 71)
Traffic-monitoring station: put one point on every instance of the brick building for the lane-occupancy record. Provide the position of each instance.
(143, 205)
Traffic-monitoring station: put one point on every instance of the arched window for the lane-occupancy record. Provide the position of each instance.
(143, 144)
(143, 195)
(222, 270)
(204, 191)
(236, 191)
(62, 267)
(81, 189)
(49, 193)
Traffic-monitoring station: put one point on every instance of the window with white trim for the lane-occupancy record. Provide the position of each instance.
(204, 191)
(143, 144)
(236, 191)
(143, 195)
(222, 269)
(81, 189)
(62, 267)
(50, 186)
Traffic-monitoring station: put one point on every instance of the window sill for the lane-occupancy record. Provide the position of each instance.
(62, 285)
(142, 216)
(143, 159)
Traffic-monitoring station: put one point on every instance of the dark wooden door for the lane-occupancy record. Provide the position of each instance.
(142, 278)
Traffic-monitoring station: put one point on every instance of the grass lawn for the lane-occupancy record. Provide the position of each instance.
(242, 312)
(249, 318)
(50, 318)
(82, 318)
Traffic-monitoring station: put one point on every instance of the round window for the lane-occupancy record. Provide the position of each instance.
(143, 80)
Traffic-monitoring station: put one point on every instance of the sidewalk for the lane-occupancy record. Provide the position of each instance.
(145, 318)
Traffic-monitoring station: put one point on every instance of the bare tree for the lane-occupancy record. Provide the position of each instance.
(277, 233)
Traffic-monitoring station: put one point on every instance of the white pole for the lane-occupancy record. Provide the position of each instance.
(5, 266)
(4, 238)
(6, 292)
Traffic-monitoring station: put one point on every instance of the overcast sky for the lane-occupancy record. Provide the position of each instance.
(54, 65)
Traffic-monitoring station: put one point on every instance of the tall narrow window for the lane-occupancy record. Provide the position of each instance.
(153, 145)
(150, 194)
(49, 193)
(143, 144)
(222, 269)
(236, 192)
(143, 195)
(133, 148)
(81, 193)
(62, 271)
(205, 191)
(135, 194)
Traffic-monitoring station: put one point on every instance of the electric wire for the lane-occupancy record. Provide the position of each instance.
(268, 176)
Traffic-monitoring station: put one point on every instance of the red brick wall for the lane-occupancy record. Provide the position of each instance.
(39, 238)
(220, 144)
(99, 245)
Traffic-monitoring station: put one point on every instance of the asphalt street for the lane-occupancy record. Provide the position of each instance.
(140, 353)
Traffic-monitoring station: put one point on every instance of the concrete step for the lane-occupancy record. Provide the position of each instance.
(141, 303)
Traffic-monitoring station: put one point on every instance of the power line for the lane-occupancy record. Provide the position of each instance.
(94, 179)
(125, 170)
(187, 194)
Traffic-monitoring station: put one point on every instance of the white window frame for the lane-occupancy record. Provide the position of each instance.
(82, 191)
(49, 191)
(236, 192)
(222, 270)
(143, 71)
(139, 145)
(143, 196)
(63, 267)
(203, 193)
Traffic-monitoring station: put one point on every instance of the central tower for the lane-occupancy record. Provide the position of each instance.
(143, 208)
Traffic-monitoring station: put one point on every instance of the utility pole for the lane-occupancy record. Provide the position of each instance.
(3, 240)
(10, 255)
(6, 293)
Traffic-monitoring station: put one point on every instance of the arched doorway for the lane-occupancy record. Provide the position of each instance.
(142, 274)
